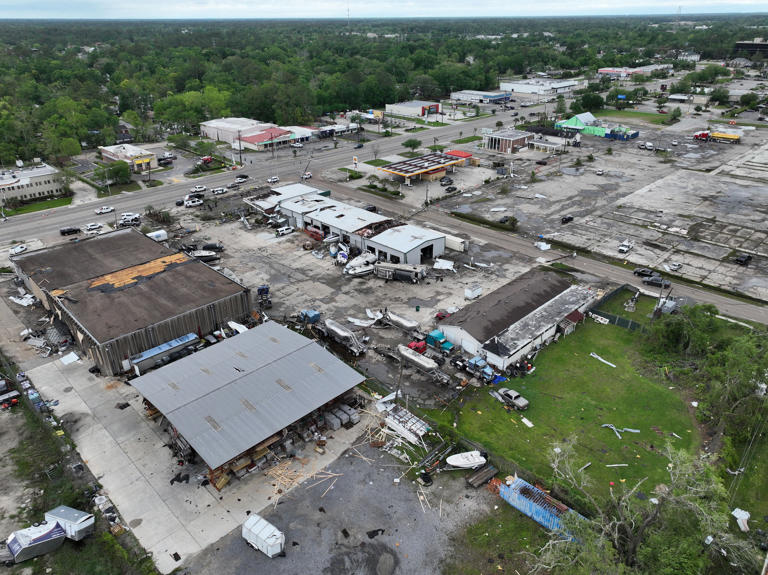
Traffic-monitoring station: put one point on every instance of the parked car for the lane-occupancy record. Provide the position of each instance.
(451, 189)
(661, 111)
(371, 208)
(16, 250)
(284, 231)
(241, 178)
(743, 259)
(566, 219)
(674, 142)
(233, 186)
(514, 399)
(180, 202)
(599, 172)
(358, 146)
(164, 162)
(645, 272)
(446, 182)
(198, 188)
(306, 175)
(193, 202)
(273, 180)
(194, 196)
(297, 145)
(218, 191)
(541, 162)
(93, 226)
(674, 266)
(104, 210)
(657, 281)
(168, 156)
(68, 231)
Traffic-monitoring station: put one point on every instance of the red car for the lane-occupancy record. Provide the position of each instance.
(418, 346)
(661, 111)
(441, 315)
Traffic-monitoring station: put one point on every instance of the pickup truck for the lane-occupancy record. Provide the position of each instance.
(625, 246)
(514, 399)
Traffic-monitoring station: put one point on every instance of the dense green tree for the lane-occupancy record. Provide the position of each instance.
(412, 144)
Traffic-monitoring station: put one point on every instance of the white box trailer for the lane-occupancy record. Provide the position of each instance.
(262, 535)
(77, 524)
(36, 540)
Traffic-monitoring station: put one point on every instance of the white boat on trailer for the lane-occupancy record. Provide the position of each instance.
(466, 460)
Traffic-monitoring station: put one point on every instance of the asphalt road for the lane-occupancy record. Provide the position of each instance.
(39, 224)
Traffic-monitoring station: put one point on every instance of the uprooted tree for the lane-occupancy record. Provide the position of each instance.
(628, 533)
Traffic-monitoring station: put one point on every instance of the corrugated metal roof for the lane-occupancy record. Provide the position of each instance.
(405, 238)
(231, 396)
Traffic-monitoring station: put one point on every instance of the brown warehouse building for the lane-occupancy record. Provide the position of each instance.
(122, 293)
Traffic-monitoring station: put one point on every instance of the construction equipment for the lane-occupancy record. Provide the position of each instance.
(723, 137)
(263, 297)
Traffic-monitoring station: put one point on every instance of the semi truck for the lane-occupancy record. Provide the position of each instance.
(723, 137)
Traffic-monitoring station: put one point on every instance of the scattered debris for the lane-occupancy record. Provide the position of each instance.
(526, 421)
(617, 465)
(597, 357)
(741, 518)
(618, 432)
(739, 471)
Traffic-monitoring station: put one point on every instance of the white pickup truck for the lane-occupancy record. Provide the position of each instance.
(625, 246)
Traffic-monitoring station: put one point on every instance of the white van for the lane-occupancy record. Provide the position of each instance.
(284, 231)
(649, 146)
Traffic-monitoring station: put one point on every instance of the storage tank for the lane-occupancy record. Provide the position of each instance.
(402, 322)
(416, 358)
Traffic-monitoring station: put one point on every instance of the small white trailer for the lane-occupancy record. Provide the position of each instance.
(262, 535)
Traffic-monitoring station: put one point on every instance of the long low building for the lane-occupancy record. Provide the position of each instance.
(234, 402)
(30, 183)
(539, 86)
(122, 293)
(389, 240)
(479, 97)
(507, 324)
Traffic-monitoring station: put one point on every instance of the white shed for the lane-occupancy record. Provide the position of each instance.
(77, 524)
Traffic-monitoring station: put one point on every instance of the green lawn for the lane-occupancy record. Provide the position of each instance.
(572, 393)
(119, 189)
(38, 206)
(645, 305)
(377, 163)
(467, 140)
(630, 115)
(494, 541)
(409, 154)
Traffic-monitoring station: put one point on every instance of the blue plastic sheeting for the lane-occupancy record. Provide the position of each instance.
(164, 347)
(535, 503)
(309, 315)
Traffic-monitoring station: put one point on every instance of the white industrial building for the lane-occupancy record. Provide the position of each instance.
(267, 202)
(139, 159)
(539, 86)
(230, 129)
(414, 109)
(479, 97)
(34, 182)
(623, 72)
(367, 231)
(507, 324)
(406, 244)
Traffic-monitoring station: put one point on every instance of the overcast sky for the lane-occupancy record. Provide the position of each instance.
(208, 9)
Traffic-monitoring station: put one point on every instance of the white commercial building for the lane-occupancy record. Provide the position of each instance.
(507, 324)
(35, 182)
(414, 109)
(267, 202)
(539, 86)
(139, 159)
(389, 240)
(230, 129)
(479, 97)
(627, 72)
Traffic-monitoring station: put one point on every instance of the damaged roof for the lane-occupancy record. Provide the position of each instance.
(231, 396)
(492, 314)
(121, 282)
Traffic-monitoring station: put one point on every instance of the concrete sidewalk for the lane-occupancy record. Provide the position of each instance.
(128, 455)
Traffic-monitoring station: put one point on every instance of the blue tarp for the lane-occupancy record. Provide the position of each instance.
(535, 503)
(309, 315)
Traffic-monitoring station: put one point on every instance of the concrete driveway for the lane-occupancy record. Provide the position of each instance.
(127, 453)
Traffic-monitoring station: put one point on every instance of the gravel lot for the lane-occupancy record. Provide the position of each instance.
(364, 525)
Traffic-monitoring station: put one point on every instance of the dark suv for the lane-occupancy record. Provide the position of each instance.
(743, 259)
(657, 281)
(644, 272)
(69, 231)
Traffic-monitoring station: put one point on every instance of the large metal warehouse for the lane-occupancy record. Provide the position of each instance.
(234, 402)
(122, 293)
(509, 322)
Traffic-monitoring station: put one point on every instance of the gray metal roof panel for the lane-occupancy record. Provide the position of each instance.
(227, 398)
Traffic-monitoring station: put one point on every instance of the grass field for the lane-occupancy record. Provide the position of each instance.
(630, 115)
(377, 163)
(39, 206)
(467, 140)
(572, 394)
(752, 487)
(645, 305)
(119, 189)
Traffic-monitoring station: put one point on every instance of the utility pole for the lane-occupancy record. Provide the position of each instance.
(240, 147)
